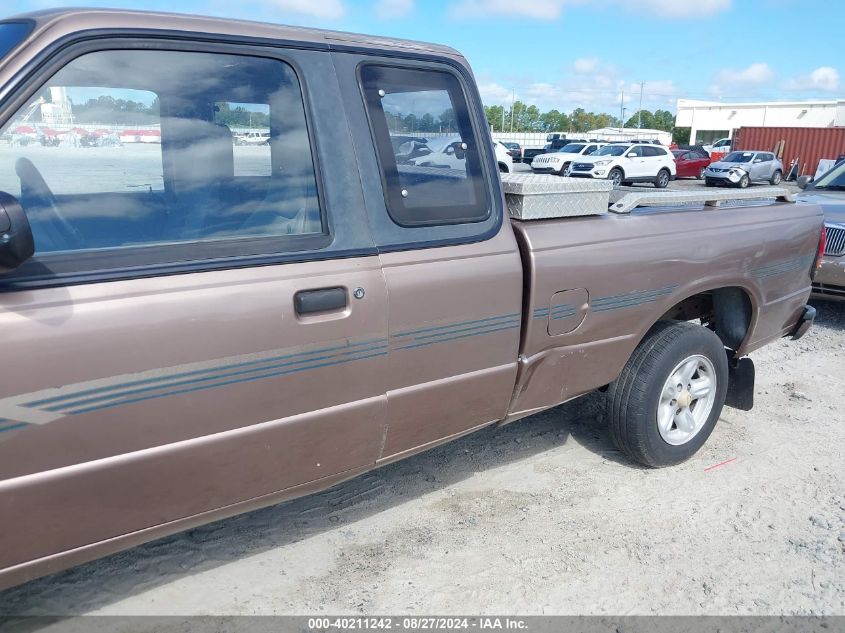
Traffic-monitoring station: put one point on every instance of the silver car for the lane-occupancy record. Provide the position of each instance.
(740, 169)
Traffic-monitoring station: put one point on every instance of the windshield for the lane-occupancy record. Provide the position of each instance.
(572, 148)
(11, 33)
(834, 179)
(738, 157)
(678, 152)
(611, 150)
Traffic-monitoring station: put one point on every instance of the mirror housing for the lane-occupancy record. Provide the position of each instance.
(804, 181)
(16, 242)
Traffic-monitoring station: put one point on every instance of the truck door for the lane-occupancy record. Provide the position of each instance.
(452, 268)
(202, 324)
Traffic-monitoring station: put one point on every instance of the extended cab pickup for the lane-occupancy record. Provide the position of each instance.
(194, 328)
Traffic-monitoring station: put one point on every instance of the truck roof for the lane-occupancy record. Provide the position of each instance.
(61, 21)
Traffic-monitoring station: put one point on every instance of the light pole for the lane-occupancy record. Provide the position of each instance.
(640, 111)
(622, 111)
(513, 103)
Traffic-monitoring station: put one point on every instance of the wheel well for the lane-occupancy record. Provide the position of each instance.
(503, 167)
(726, 311)
(619, 168)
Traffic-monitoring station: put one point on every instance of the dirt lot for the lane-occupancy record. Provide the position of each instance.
(542, 516)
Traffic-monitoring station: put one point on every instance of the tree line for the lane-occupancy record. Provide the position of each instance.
(528, 118)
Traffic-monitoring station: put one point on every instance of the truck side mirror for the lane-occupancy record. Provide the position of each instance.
(16, 242)
(804, 181)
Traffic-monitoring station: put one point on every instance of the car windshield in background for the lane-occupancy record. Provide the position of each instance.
(612, 150)
(739, 157)
(11, 33)
(678, 152)
(834, 179)
(572, 148)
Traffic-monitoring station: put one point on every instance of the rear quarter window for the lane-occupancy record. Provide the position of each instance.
(427, 149)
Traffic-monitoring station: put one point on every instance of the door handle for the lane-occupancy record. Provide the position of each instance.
(321, 300)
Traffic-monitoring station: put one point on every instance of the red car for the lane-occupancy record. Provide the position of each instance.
(691, 163)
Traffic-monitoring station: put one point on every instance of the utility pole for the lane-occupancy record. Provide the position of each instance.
(503, 118)
(622, 111)
(513, 102)
(640, 111)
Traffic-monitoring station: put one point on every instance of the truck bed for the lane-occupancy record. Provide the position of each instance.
(595, 285)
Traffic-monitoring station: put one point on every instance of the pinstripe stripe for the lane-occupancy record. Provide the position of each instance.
(473, 328)
(782, 267)
(306, 363)
(457, 325)
(12, 427)
(220, 384)
(631, 299)
(461, 336)
(197, 372)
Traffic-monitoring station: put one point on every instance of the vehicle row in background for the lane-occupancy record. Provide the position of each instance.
(621, 163)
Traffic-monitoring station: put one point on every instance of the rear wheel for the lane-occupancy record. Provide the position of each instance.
(666, 401)
(776, 177)
(615, 176)
(701, 173)
(503, 168)
(662, 180)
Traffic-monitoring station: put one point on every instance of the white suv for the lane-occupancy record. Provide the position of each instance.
(623, 163)
(558, 161)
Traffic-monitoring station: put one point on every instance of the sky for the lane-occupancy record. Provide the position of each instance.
(595, 54)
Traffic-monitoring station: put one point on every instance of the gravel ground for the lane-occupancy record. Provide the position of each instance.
(542, 516)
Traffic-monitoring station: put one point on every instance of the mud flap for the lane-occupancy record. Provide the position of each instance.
(741, 384)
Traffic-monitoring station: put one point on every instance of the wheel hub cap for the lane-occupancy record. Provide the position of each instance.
(687, 399)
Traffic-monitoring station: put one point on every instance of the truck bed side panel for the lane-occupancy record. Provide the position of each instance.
(595, 285)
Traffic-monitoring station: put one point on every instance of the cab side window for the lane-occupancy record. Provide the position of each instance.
(427, 148)
(173, 154)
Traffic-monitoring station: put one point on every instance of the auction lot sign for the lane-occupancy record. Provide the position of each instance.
(415, 623)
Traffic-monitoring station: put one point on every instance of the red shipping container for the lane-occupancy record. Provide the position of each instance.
(808, 144)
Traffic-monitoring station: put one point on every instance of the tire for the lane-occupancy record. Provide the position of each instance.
(503, 168)
(701, 173)
(616, 176)
(662, 179)
(744, 182)
(563, 169)
(776, 178)
(636, 398)
(709, 183)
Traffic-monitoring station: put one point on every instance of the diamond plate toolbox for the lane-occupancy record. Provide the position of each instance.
(540, 197)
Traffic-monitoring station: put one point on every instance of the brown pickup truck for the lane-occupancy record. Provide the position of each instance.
(195, 326)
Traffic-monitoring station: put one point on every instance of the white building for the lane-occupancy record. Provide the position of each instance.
(711, 120)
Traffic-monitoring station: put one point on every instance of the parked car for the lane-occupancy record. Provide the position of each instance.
(449, 152)
(558, 162)
(503, 157)
(177, 350)
(828, 192)
(721, 146)
(740, 169)
(514, 150)
(690, 163)
(624, 163)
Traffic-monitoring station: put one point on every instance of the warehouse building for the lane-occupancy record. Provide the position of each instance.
(711, 120)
